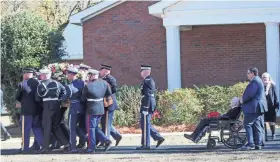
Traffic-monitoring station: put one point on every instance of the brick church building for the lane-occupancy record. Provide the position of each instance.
(185, 42)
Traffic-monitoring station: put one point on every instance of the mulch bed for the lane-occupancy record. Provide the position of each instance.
(165, 129)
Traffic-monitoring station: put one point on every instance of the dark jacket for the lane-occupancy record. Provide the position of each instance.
(148, 102)
(75, 90)
(25, 94)
(50, 89)
(272, 104)
(112, 82)
(254, 101)
(232, 114)
(273, 98)
(113, 85)
(96, 90)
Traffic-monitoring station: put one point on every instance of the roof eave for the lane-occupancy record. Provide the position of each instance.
(157, 9)
(90, 12)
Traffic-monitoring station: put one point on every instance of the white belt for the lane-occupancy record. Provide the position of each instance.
(98, 99)
(74, 101)
(152, 95)
(50, 99)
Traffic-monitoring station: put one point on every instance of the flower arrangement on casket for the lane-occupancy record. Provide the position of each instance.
(59, 73)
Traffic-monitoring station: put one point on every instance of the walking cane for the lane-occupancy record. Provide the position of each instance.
(145, 142)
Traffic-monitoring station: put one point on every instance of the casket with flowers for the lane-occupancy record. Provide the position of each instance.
(59, 73)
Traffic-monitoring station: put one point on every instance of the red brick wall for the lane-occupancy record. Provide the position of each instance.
(125, 37)
(221, 54)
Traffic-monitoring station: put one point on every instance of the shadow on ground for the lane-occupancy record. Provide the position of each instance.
(162, 150)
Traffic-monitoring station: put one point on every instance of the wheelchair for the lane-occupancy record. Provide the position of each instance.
(232, 134)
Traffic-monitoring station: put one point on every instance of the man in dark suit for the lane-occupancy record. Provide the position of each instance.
(254, 106)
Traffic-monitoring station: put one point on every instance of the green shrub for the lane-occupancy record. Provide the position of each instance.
(129, 99)
(178, 107)
(237, 89)
(214, 98)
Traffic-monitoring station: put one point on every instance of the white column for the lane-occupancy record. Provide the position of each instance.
(273, 52)
(173, 57)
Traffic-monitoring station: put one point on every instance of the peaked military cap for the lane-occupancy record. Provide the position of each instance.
(83, 66)
(93, 71)
(45, 71)
(72, 70)
(103, 66)
(145, 67)
(28, 70)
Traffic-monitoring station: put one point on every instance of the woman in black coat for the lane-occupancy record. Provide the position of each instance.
(272, 103)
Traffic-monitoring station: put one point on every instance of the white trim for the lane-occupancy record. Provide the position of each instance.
(101, 11)
(157, 9)
(50, 99)
(146, 68)
(273, 52)
(173, 57)
(232, 16)
(96, 100)
(90, 12)
(70, 127)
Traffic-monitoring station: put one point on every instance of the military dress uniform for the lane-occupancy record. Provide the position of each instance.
(76, 112)
(84, 67)
(55, 142)
(111, 130)
(93, 94)
(51, 92)
(29, 113)
(148, 106)
(82, 125)
(37, 121)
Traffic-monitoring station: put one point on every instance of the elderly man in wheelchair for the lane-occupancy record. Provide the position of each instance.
(227, 124)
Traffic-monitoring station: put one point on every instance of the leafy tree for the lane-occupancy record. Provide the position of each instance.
(55, 12)
(26, 41)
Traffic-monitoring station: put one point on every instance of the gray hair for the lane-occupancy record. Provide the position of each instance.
(235, 102)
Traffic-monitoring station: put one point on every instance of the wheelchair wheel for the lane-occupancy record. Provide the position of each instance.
(232, 136)
(211, 144)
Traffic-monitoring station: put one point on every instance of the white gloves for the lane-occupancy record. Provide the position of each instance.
(145, 112)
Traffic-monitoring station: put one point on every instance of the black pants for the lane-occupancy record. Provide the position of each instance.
(51, 122)
(203, 123)
(63, 126)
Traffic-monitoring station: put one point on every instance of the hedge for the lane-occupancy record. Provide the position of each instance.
(182, 106)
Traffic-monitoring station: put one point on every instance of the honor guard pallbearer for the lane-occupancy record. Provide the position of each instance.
(51, 92)
(76, 112)
(93, 94)
(108, 118)
(29, 118)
